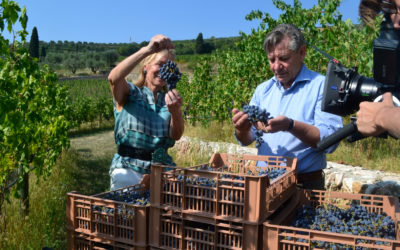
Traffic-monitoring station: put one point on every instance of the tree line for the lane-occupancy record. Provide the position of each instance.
(100, 57)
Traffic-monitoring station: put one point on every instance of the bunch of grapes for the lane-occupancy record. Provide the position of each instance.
(257, 114)
(169, 72)
(355, 220)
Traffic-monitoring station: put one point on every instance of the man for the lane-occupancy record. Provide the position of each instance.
(293, 97)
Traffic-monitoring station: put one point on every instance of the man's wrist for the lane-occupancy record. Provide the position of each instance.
(291, 124)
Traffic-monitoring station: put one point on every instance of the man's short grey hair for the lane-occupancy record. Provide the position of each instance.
(280, 32)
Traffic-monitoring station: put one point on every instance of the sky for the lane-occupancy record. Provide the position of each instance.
(125, 21)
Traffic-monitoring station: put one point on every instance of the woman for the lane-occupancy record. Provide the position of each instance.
(148, 119)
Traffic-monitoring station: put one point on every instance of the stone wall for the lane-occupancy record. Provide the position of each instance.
(339, 177)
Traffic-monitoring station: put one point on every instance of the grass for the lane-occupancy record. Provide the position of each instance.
(76, 170)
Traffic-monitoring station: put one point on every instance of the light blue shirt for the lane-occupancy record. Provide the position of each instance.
(301, 102)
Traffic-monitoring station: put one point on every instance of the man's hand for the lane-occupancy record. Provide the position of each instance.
(240, 121)
(242, 126)
(279, 123)
(369, 117)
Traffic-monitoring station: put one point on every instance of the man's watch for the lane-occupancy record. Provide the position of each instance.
(291, 124)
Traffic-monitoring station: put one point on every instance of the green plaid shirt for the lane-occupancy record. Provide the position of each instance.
(142, 123)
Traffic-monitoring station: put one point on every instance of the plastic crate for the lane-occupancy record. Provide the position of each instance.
(104, 220)
(234, 195)
(81, 241)
(174, 230)
(279, 234)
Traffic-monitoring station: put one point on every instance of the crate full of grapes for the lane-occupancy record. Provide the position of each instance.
(230, 186)
(315, 219)
(118, 217)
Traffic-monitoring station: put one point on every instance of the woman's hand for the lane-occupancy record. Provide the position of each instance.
(174, 101)
(158, 43)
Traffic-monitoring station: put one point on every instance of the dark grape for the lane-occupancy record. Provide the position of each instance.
(257, 114)
(356, 220)
(169, 72)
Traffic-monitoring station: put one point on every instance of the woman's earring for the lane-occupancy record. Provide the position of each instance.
(144, 71)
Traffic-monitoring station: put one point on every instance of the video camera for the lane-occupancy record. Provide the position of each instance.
(344, 88)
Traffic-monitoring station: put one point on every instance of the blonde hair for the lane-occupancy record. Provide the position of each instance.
(140, 82)
(368, 10)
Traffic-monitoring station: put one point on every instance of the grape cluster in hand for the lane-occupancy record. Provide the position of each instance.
(169, 72)
(257, 114)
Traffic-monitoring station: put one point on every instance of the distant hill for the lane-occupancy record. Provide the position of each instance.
(95, 58)
(182, 47)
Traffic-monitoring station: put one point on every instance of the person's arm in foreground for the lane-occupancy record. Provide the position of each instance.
(374, 118)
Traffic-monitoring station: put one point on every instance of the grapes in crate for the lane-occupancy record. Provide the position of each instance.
(356, 220)
(272, 173)
(169, 72)
(127, 196)
(131, 197)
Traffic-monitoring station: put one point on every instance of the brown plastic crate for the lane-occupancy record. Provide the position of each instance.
(108, 220)
(278, 234)
(86, 242)
(176, 230)
(251, 199)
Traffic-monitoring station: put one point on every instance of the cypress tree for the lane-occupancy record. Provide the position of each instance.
(34, 44)
(200, 44)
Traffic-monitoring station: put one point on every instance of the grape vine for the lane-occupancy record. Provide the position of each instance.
(33, 109)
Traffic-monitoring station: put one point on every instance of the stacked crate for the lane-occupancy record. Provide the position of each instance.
(94, 222)
(216, 205)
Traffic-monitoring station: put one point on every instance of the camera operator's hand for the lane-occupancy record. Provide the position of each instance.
(372, 118)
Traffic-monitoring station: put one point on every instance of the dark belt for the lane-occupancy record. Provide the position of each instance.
(136, 153)
(311, 176)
